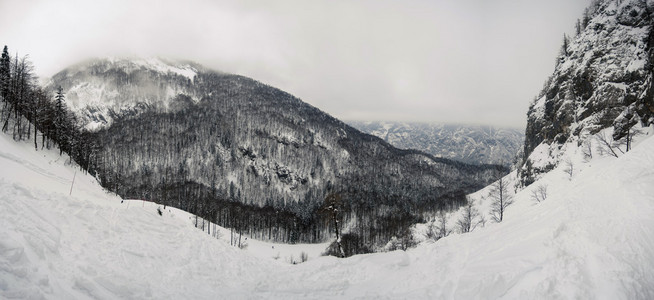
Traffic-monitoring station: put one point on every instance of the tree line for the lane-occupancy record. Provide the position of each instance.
(29, 110)
(247, 157)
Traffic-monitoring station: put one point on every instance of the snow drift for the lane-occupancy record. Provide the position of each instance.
(591, 238)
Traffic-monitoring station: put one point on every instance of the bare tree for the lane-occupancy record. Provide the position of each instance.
(437, 228)
(39, 109)
(627, 140)
(569, 167)
(605, 144)
(501, 199)
(586, 150)
(432, 231)
(332, 206)
(442, 225)
(539, 194)
(469, 219)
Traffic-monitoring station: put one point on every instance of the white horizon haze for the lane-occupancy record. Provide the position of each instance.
(467, 62)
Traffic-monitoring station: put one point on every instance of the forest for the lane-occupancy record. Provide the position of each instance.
(239, 153)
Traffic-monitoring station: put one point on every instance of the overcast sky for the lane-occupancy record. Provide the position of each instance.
(463, 61)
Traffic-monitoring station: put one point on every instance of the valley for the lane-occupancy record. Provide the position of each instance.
(234, 150)
(150, 177)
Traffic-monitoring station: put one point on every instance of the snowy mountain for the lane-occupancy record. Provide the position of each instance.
(580, 227)
(136, 84)
(466, 143)
(603, 79)
(250, 156)
(591, 238)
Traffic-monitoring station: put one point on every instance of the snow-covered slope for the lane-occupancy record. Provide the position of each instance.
(466, 143)
(591, 238)
(99, 90)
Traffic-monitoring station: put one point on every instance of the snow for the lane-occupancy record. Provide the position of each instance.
(163, 67)
(591, 238)
(157, 64)
(94, 96)
(636, 65)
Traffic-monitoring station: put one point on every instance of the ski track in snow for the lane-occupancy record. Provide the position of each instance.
(592, 238)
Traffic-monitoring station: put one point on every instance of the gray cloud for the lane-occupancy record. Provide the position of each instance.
(472, 61)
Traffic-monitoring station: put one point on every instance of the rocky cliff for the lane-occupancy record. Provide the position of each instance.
(603, 78)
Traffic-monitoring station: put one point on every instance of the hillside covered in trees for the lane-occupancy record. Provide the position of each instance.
(235, 151)
(252, 157)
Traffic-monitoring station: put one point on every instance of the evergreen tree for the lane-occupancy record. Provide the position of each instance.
(5, 73)
(564, 46)
(586, 19)
(60, 119)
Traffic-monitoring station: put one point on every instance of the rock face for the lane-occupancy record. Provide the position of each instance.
(603, 78)
(466, 143)
(250, 156)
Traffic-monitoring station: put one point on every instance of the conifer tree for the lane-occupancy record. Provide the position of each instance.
(564, 46)
(60, 119)
(5, 73)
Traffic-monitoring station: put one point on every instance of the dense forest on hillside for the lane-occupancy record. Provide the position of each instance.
(239, 153)
(28, 110)
(257, 153)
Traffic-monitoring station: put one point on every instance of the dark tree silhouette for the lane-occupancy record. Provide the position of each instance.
(333, 205)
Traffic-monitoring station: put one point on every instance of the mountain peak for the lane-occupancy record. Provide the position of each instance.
(158, 64)
(101, 89)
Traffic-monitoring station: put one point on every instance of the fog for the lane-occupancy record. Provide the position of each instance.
(473, 61)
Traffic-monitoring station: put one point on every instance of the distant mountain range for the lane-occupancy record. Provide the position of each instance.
(467, 143)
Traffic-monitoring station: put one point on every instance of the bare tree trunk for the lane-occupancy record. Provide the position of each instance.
(29, 130)
(338, 238)
(36, 146)
(5, 125)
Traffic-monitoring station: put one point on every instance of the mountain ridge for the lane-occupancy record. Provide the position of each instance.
(222, 144)
(475, 144)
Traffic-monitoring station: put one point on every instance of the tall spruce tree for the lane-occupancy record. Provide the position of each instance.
(5, 73)
(60, 119)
